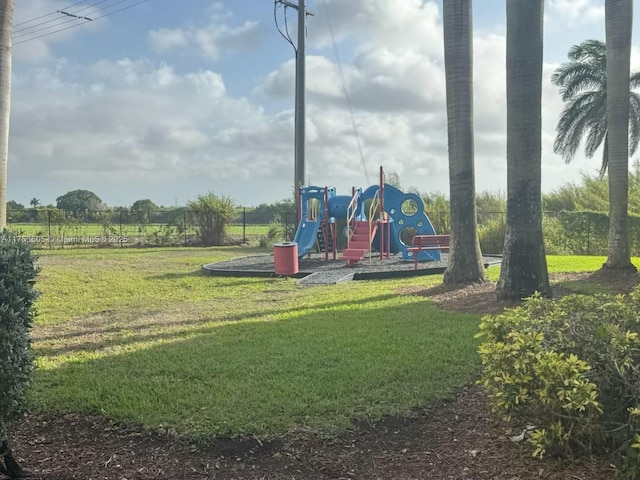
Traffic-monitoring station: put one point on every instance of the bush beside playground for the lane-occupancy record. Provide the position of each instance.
(566, 373)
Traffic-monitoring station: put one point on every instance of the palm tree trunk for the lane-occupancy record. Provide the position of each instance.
(8, 465)
(524, 265)
(618, 20)
(465, 258)
(7, 8)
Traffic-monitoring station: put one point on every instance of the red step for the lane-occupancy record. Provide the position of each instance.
(359, 244)
(360, 237)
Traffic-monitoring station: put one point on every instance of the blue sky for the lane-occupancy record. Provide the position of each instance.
(167, 100)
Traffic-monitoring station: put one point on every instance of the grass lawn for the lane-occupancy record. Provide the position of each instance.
(141, 336)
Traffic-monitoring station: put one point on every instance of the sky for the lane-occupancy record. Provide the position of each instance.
(167, 100)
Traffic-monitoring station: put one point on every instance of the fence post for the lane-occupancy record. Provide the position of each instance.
(120, 221)
(49, 226)
(244, 224)
(589, 235)
(184, 226)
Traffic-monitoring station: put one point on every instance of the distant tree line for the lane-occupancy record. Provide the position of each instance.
(210, 212)
(86, 206)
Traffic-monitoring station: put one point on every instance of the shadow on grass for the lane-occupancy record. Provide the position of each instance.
(316, 371)
(606, 281)
(141, 329)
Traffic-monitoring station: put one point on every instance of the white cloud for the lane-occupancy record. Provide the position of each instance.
(167, 38)
(398, 61)
(143, 121)
(137, 120)
(577, 12)
(210, 40)
(407, 25)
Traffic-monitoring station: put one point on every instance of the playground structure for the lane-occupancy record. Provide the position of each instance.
(379, 219)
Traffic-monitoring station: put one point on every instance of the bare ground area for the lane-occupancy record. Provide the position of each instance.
(457, 439)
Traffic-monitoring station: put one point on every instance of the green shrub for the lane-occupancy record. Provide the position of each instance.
(555, 238)
(211, 214)
(17, 271)
(491, 235)
(571, 367)
(584, 233)
(277, 230)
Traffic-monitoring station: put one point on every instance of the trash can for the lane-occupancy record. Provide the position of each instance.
(285, 258)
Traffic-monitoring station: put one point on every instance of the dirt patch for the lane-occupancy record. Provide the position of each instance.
(481, 297)
(457, 439)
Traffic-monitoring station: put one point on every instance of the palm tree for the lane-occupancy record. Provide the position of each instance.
(7, 8)
(618, 20)
(583, 87)
(34, 202)
(524, 265)
(465, 258)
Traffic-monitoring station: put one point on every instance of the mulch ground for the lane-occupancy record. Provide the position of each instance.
(458, 439)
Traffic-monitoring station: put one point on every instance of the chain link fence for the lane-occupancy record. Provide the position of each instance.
(53, 228)
(565, 233)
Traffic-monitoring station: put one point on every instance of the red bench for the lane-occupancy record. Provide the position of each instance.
(428, 242)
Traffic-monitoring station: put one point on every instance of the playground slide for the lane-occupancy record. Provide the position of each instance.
(306, 236)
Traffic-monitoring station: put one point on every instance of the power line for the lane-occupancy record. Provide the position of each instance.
(87, 8)
(286, 35)
(47, 14)
(65, 11)
(33, 30)
(94, 18)
(344, 87)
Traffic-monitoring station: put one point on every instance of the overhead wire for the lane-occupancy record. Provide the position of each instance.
(345, 89)
(286, 29)
(65, 11)
(33, 30)
(47, 14)
(75, 25)
(286, 36)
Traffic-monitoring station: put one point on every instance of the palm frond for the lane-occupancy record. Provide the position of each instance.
(596, 131)
(585, 112)
(634, 122)
(583, 88)
(605, 156)
(568, 73)
(586, 70)
(634, 81)
(589, 49)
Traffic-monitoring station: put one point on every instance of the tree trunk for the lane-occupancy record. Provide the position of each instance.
(8, 464)
(465, 258)
(618, 20)
(524, 265)
(6, 22)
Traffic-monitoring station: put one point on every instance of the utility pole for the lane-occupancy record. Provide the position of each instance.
(300, 116)
(299, 151)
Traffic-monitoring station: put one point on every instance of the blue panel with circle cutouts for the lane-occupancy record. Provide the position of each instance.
(407, 218)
